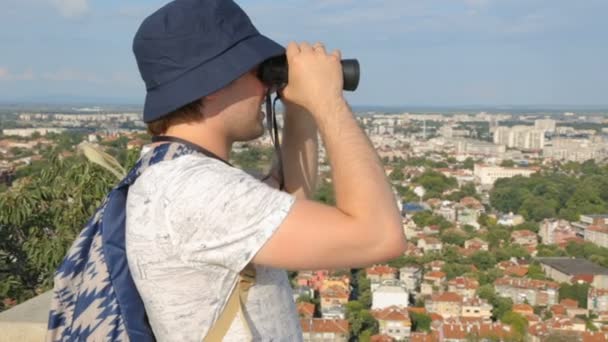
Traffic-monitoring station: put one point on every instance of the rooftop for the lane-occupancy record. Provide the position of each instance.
(574, 266)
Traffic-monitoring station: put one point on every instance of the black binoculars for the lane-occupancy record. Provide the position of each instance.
(273, 72)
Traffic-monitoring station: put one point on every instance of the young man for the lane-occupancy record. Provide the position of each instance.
(193, 223)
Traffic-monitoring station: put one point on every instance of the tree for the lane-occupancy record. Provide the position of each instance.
(483, 260)
(517, 321)
(577, 292)
(40, 217)
(420, 322)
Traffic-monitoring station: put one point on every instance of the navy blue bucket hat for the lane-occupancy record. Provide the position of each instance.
(191, 48)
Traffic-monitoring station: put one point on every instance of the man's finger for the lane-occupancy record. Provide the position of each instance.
(319, 47)
(305, 47)
(292, 49)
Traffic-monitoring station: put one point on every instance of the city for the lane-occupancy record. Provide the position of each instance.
(505, 214)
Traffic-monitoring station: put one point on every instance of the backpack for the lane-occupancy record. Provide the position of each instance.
(94, 296)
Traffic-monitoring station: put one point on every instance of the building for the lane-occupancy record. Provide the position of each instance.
(511, 220)
(411, 277)
(447, 304)
(394, 321)
(333, 297)
(520, 137)
(486, 175)
(463, 286)
(547, 125)
(432, 283)
(379, 273)
(564, 269)
(597, 235)
(524, 238)
(557, 232)
(476, 244)
(597, 300)
(522, 290)
(474, 307)
(429, 244)
(388, 295)
(325, 330)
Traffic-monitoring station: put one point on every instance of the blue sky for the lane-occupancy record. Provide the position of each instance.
(412, 52)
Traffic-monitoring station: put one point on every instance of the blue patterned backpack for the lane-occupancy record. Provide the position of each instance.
(94, 297)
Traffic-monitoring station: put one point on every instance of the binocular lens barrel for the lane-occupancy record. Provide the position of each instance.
(274, 72)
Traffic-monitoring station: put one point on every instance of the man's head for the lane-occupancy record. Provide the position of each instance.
(197, 58)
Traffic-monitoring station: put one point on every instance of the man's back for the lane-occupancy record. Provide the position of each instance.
(192, 224)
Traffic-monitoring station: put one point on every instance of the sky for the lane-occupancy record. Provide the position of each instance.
(412, 52)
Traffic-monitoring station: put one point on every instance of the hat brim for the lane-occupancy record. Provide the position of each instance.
(210, 76)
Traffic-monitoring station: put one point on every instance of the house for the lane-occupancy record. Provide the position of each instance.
(432, 282)
(523, 309)
(475, 307)
(597, 300)
(312, 279)
(379, 273)
(381, 338)
(319, 329)
(332, 297)
(521, 290)
(411, 277)
(571, 329)
(447, 304)
(429, 244)
(435, 265)
(463, 286)
(476, 244)
(524, 238)
(459, 330)
(305, 310)
(342, 281)
(511, 220)
(556, 232)
(386, 295)
(394, 321)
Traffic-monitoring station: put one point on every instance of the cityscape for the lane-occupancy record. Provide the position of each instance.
(505, 212)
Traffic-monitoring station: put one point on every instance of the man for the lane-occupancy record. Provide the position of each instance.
(193, 223)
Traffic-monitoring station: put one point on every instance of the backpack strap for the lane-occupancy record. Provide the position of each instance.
(235, 303)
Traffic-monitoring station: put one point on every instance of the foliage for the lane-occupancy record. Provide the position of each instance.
(427, 218)
(515, 320)
(566, 192)
(39, 218)
(360, 319)
(483, 260)
(325, 193)
(420, 321)
(435, 183)
(577, 292)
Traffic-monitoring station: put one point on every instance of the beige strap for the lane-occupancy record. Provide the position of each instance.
(236, 302)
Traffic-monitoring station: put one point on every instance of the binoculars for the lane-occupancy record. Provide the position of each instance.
(274, 71)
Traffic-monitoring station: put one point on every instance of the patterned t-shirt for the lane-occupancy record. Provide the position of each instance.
(193, 223)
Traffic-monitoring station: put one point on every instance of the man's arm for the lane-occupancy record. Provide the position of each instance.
(300, 151)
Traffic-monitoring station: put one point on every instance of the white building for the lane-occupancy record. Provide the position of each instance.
(388, 295)
(486, 175)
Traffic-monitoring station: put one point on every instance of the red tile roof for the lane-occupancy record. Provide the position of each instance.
(320, 325)
(447, 297)
(392, 313)
(380, 270)
(306, 309)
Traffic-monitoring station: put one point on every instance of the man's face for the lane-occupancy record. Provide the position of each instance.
(243, 118)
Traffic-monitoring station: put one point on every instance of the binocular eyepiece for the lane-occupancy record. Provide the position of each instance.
(274, 72)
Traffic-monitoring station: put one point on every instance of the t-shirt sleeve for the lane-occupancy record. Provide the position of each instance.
(222, 216)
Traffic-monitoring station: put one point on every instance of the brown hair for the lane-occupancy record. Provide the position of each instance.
(186, 113)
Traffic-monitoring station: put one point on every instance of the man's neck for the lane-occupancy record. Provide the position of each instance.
(213, 143)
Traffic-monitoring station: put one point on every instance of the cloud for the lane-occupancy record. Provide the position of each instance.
(7, 75)
(71, 8)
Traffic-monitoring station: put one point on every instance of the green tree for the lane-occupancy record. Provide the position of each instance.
(40, 217)
(577, 292)
(420, 322)
(517, 321)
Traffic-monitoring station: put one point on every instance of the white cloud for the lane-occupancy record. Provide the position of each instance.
(7, 75)
(71, 8)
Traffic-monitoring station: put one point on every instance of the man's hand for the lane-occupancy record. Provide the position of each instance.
(315, 77)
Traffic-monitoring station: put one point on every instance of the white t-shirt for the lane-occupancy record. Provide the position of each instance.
(193, 223)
